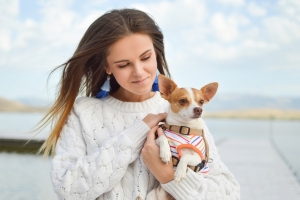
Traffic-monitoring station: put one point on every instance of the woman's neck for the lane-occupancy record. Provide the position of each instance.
(126, 96)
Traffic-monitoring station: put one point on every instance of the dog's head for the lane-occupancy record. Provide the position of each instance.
(185, 103)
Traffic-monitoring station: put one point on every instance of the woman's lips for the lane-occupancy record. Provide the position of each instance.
(139, 82)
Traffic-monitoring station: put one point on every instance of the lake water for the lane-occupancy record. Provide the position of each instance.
(27, 176)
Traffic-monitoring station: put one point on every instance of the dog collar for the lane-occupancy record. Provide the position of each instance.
(184, 130)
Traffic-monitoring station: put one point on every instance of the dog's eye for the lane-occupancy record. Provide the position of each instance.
(202, 101)
(182, 101)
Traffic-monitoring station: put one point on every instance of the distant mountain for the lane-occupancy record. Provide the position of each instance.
(252, 106)
(224, 102)
(221, 106)
(15, 106)
(33, 102)
(221, 102)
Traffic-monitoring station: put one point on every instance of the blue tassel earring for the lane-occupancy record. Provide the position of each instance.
(104, 89)
(155, 84)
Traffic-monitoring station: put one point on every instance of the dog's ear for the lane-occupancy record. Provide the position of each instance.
(209, 91)
(166, 86)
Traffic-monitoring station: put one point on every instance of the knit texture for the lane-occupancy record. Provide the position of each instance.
(98, 156)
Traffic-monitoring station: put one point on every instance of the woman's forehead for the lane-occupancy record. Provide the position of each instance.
(132, 45)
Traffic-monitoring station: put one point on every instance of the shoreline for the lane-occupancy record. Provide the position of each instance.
(252, 118)
(259, 114)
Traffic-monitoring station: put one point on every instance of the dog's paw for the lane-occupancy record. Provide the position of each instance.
(180, 173)
(165, 155)
(165, 152)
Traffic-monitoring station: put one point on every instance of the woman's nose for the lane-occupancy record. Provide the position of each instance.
(138, 69)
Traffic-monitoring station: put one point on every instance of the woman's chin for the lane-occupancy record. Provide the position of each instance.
(141, 90)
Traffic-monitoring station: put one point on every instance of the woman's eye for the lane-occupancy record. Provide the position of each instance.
(146, 58)
(122, 66)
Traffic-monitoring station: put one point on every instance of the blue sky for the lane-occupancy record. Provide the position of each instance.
(249, 47)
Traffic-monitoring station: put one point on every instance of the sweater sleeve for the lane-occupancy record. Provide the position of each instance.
(219, 183)
(78, 175)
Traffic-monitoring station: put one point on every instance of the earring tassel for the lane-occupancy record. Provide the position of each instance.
(104, 89)
(155, 84)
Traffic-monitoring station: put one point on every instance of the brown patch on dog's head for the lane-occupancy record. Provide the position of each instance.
(177, 97)
(180, 98)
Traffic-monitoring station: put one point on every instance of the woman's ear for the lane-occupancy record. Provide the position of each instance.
(107, 70)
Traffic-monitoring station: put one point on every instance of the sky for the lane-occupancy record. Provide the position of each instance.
(249, 47)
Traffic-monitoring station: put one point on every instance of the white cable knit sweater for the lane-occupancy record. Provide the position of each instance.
(98, 156)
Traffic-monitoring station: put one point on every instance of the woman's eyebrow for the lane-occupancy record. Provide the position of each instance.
(145, 52)
(128, 60)
(121, 61)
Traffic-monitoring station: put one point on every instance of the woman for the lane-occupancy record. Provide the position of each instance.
(98, 142)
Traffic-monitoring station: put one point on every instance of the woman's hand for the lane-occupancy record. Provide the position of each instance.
(152, 120)
(163, 172)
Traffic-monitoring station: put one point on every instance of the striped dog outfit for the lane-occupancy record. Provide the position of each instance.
(178, 141)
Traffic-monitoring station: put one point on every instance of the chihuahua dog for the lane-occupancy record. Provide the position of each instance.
(184, 142)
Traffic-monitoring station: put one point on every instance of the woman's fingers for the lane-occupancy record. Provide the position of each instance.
(151, 134)
(159, 132)
(161, 117)
(150, 155)
(152, 120)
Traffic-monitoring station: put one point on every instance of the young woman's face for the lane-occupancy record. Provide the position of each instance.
(132, 61)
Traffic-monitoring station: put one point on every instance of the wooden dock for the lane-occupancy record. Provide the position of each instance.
(261, 171)
(26, 142)
(259, 168)
(20, 145)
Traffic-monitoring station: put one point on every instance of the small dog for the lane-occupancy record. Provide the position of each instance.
(184, 141)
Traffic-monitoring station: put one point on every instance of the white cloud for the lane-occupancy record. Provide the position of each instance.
(282, 30)
(186, 24)
(258, 44)
(290, 7)
(256, 10)
(93, 3)
(42, 44)
(232, 2)
(194, 33)
(9, 11)
(176, 15)
(224, 29)
(190, 25)
(219, 52)
(5, 41)
(58, 19)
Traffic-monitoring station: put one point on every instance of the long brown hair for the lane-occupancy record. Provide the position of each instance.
(85, 70)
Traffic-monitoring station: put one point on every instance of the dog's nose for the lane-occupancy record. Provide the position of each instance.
(197, 110)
